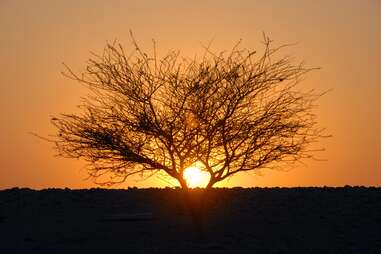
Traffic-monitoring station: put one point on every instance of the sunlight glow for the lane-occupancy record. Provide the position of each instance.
(195, 177)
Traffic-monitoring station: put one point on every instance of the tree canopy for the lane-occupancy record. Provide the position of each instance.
(230, 112)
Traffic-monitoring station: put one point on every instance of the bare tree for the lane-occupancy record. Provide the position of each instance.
(232, 112)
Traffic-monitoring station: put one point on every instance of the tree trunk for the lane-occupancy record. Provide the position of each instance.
(210, 184)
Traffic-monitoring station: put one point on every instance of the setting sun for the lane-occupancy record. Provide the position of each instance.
(195, 177)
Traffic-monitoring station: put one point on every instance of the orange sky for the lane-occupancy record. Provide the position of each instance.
(342, 37)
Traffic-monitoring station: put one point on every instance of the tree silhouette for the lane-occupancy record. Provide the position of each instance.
(230, 112)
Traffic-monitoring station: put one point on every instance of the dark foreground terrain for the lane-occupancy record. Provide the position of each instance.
(269, 220)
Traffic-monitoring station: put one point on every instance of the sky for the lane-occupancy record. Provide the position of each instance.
(341, 37)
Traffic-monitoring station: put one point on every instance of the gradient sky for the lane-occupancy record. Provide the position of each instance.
(342, 37)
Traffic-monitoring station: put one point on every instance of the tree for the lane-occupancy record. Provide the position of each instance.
(231, 112)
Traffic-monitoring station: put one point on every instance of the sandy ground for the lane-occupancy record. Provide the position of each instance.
(258, 220)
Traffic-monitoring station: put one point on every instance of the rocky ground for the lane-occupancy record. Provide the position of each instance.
(257, 220)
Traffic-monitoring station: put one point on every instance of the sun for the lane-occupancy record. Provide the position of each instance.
(195, 177)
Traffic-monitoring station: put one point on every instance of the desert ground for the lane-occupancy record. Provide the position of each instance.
(238, 220)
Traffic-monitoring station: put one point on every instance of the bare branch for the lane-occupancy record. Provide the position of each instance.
(233, 112)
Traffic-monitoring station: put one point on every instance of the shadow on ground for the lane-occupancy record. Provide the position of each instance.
(257, 220)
